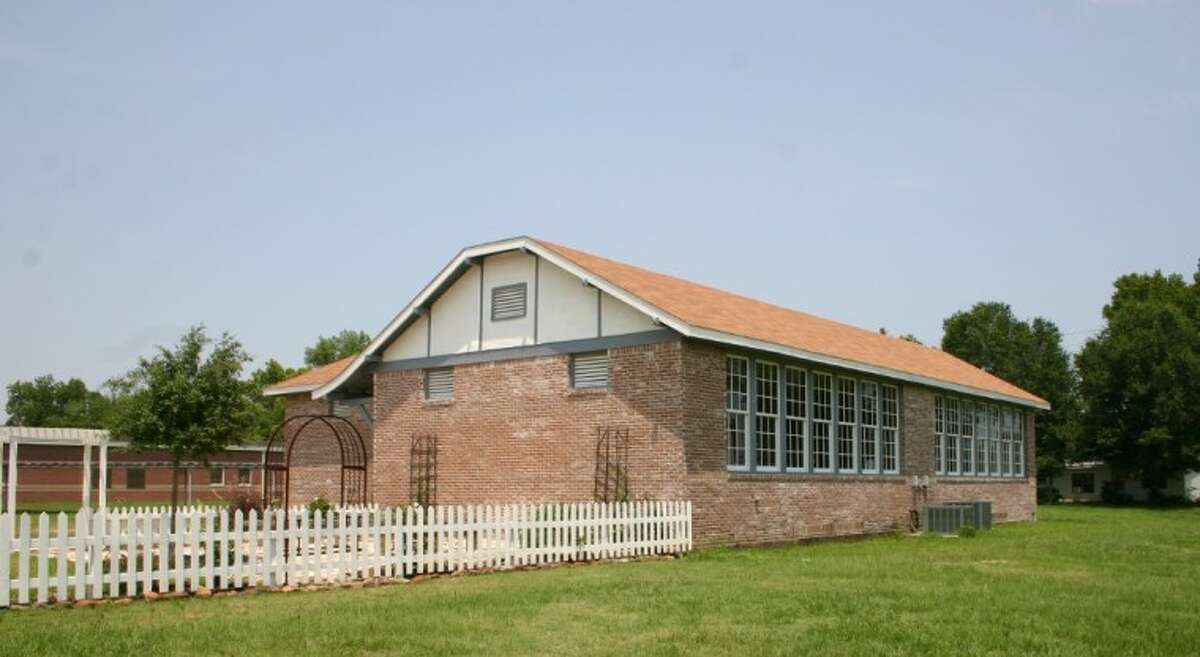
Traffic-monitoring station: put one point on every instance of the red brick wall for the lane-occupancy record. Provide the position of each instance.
(517, 432)
(739, 508)
(316, 461)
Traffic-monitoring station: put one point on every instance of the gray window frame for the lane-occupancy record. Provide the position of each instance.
(429, 373)
(748, 425)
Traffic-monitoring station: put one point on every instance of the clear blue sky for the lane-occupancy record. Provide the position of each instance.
(292, 169)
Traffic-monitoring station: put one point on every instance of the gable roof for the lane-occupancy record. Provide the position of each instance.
(707, 313)
(308, 381)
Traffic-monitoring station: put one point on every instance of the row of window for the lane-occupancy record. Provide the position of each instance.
(135, 477)
(787, 419)
(973, 439)
(587, 371)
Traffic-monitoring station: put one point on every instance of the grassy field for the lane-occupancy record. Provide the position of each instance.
(1081, 581)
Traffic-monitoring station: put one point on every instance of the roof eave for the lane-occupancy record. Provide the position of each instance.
(289, 390)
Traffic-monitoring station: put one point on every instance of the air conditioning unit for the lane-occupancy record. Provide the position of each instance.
(948, 518)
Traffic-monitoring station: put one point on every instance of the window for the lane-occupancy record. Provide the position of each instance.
(737, 387)
(508, 301)
(766, 415)
(795, 398)
(890, 429)
(243, 476)
(822, 416)
(976, 439)
(108, 481)
(216, 477)
(966, 444)
(783, 418)
(589, 370)
(950, 442)
(981, 461)
(939, 432)
(135, 478)
(846, 420)
(439, 384)
(1083, 482)
(1019, 445)
(868, 427)
(993, 441)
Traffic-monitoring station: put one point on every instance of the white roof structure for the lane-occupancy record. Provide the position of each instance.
(14, 437)
(54, 436)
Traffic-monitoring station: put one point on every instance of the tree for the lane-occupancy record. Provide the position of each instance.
(45, 402)
(1138, 379)
(188, 403)
(269, 411)
(327, 350)
(1028, 354)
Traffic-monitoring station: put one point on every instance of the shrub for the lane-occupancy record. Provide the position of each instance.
(967, 530)
(244, 502)
(1113, 492)
(319, 504)
(1048, 495)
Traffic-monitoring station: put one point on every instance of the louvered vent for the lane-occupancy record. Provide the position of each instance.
(508, 301)
(439, 384)
(590, 370)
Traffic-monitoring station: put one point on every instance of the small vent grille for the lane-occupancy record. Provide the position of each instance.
(590, 370)
(508, 301)
(439, 384)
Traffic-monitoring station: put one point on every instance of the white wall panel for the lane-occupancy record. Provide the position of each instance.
(507, 269)
(617, 318)
(409, 344)
(567, 308)
(455, 316)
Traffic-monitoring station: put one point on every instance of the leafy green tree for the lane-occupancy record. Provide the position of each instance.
(1028, 354)
(269, 411)
(337, 347)
(1139, 379)
(45, 402)
(188, 400)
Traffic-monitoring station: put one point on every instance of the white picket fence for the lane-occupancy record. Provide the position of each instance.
(129, 552)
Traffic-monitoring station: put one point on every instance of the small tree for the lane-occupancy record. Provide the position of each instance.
(191, 405)
(337, 347)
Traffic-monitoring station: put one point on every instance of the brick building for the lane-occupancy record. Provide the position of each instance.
(54, 474)
(527, 371)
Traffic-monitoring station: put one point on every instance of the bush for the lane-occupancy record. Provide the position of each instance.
(967, 531)
(1113, 492)
(319, 504)
(1048, 495)
(244, 502)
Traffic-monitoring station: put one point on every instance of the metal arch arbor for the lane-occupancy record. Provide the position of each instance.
(277, 460)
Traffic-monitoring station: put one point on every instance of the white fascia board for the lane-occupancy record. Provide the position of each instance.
(834, 361)
(292, 390)
(484, 250)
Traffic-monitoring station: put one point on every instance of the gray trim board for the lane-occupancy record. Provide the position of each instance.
(537, 273)
(515, 353)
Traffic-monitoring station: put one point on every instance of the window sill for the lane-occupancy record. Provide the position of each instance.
(742, 475)
(587, 392)
(967, 479)
(437, 402)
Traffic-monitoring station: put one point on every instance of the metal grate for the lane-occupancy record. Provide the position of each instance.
(589, 370)
(439, 384)
(508, 301)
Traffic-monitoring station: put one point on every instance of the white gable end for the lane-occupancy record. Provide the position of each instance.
(540, 303)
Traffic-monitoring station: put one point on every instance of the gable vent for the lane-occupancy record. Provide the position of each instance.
(439, 384)
(508, 301)
(590, 370)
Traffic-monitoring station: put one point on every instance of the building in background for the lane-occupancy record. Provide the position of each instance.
(1084, 481)
(53, 474)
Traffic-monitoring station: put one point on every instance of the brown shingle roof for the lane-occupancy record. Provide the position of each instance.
(710, 308)
(311, 379)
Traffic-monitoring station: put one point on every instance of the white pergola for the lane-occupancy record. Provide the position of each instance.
(85, 438)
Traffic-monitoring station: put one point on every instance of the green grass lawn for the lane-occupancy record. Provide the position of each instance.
(1081, 581)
